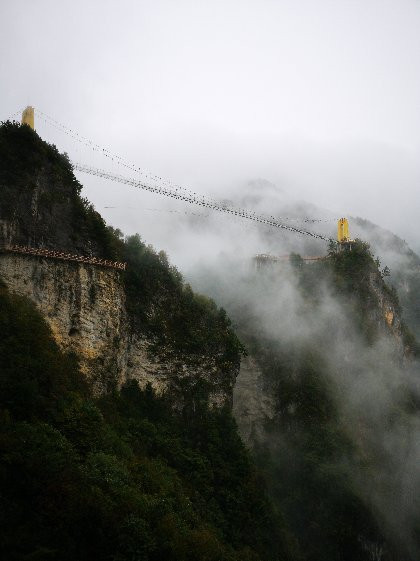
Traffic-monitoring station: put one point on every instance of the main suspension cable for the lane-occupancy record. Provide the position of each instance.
(170, 189)
(148, 176)
(197, 200)
(104, 151)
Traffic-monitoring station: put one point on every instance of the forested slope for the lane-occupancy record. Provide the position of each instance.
(120, 477)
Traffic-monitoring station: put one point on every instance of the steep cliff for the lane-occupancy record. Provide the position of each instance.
(86, 308)
(349, 296)
(143, 324)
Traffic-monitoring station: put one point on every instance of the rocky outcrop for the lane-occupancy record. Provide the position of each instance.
(253, 404)
(85, 306)
(386, 312)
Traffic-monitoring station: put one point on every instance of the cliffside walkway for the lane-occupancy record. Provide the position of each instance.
(266, 259)
(51, 254)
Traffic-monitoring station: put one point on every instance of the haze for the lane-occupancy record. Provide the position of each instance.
(320, 98)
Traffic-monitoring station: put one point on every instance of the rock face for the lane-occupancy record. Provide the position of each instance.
(386, 313)
(85, 306)
(253, 404)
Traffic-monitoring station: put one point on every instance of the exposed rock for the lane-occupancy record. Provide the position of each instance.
(253, 404)
(386, 312)
(85, 306)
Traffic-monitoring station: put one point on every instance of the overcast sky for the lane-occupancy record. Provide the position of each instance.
(321, 97)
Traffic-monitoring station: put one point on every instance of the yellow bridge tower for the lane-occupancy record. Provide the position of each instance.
(343, 231)
(343, 236)
(28, 117)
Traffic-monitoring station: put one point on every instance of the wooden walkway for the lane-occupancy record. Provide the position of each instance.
(50, 254)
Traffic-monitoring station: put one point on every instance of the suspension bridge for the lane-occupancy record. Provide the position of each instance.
(160, 186)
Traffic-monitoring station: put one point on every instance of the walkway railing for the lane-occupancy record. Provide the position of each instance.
(266, 257)
(51, 254)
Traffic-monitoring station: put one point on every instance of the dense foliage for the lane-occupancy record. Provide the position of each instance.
(181, 322)
(23, 152)
(40, 195)
(119, 478)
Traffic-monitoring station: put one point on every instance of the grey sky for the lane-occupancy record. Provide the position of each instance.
(321, 97)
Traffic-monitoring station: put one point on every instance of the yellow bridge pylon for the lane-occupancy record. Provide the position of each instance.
(28, 117)
(343, 231)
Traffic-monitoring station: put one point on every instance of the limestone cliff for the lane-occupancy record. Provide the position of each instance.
(387, 312)
(144, 323)
(85, 307)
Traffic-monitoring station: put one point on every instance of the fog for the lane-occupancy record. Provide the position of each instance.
(320, 98)
(371, 383)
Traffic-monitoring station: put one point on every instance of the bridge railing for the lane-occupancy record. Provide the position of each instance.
(52, 254)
